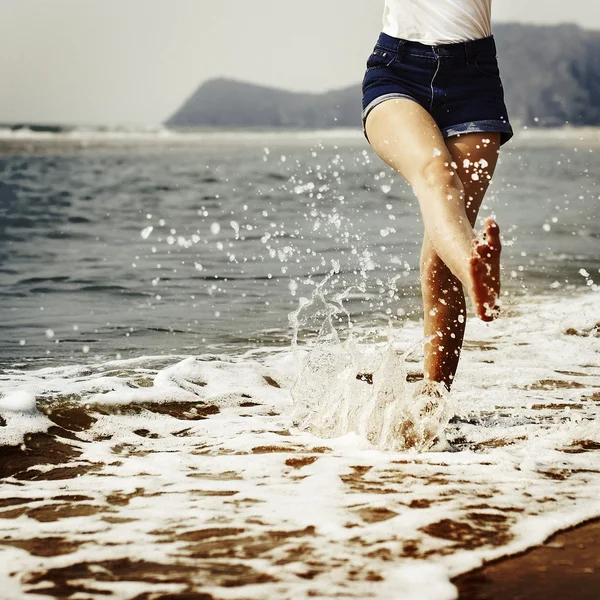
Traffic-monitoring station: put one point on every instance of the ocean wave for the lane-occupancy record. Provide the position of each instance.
(202, 457)
(160, 133)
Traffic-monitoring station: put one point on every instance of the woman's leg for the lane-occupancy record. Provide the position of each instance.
(406, 137)
(475, 155)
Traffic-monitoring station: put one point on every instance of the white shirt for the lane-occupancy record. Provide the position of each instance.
(435, 22)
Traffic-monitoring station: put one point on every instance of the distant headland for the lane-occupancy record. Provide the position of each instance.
(551, 77)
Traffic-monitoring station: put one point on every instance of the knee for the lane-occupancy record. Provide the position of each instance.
(439, 173)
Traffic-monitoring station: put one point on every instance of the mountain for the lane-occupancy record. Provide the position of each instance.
(551, 76)
(228, 103)
(550, 73)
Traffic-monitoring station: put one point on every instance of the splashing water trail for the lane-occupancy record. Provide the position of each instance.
(355, 387)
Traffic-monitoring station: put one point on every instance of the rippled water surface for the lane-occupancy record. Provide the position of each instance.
(129, 250)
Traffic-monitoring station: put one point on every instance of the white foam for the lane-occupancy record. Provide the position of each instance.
(18, 401)
(160, 135)
(524, 394)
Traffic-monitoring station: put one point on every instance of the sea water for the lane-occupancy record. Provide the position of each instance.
(208, 344)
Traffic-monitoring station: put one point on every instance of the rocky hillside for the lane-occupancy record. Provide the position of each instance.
(551, 77)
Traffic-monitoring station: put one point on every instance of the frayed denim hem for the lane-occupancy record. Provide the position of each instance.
(489, 125)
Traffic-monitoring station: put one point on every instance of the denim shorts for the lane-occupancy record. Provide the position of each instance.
(458, 84)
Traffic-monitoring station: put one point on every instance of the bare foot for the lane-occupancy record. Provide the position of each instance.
(485, 271)
(426, 416)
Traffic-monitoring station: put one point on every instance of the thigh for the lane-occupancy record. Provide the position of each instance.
(475, 156)
(405, 136)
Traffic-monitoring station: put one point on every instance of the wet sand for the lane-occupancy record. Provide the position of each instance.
(566, 567)
(112, 549)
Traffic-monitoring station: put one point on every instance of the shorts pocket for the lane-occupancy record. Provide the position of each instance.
(487, 64)
(380, 57)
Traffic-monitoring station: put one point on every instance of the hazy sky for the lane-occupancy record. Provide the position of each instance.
(136, 61)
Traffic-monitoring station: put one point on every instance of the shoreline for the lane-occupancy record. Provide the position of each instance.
(82, 138)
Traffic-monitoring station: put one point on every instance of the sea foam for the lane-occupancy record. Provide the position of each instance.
(209, 445)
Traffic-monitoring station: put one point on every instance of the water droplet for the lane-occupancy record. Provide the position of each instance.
(147, 231)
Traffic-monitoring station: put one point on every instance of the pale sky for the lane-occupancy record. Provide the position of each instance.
(135, 61)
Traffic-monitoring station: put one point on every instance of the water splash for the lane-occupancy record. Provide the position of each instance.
(354, 387)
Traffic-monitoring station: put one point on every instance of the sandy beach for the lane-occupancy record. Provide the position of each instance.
(565, 567)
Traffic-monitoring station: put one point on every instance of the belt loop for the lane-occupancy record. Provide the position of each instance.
(401, 44)
(469, 52)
